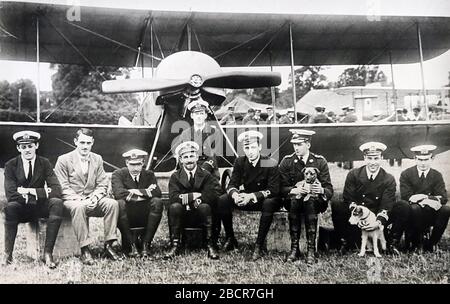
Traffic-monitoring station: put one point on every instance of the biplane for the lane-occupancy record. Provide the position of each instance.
(187, 50)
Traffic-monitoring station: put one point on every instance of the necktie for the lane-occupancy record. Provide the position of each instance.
(136, 182)
(30, 172)
(422, 176)
(191, 179)
(302, 163)
(371, 178)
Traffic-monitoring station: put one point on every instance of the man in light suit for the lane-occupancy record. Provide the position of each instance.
(84, 185)
(32, 191)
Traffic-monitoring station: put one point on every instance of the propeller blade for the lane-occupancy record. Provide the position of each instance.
(243, 80)
(142, 85)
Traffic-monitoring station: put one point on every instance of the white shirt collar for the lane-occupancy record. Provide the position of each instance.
(425, 172)
(304, 158)
(193, 171)
(25, 164)
(25, 161)
(374, 175)
(133, 176)
(196, 129)
(255, 162)
(81, 158)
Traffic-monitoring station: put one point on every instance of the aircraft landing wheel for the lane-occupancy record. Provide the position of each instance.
(225, 180)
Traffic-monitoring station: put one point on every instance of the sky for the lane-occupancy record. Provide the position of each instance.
(436, 70)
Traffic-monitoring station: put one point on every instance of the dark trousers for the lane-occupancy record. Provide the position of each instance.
(424, 217)
(309, 209)
(16, 213)
(179, 217)
(340, 214)
(146, 214)
(267, 207)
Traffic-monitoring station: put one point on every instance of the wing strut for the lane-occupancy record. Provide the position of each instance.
(155, 141)
(294, 97)
(419, 46)
(223, 132)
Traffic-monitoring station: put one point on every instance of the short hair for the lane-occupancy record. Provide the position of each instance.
(85, 131)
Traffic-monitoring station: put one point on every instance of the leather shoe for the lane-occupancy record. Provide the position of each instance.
(212, 253)
(230, 244)
(48, 259)
(111, 253)
(174, 251)
(145, 253)
(258, 253)
(7, 260)
(134, 252)
(86, 256)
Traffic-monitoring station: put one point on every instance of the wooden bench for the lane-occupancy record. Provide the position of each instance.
(66, 242)
(35, 233)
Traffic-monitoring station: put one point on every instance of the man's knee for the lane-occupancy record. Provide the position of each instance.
(339, 209)
(77, 209)
(12, 211)
(111, 204)
(270, 205)
(157, 205)
(224, 203)
(204, 209)
(55, 207)
(175, 209)
(444, 211)
(415, 210)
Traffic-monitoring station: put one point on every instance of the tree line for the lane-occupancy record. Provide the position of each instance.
(76, 89)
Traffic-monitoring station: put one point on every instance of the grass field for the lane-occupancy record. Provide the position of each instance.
(236, 267)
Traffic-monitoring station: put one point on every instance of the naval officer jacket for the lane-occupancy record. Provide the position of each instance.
(291, 173)
(42, 175)
(121, 181)
(433, 185)
(263, 179)
(204, 183)
(377, 195)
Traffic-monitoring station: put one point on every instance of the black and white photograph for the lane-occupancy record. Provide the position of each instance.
(232, 145)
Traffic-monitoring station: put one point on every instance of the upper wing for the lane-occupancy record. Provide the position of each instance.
(111, 36)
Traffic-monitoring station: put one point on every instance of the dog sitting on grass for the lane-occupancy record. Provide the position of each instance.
(361, 216)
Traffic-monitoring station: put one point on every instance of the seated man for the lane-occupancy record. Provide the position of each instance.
(424, 188)
(139, 198)
(305, 195)
(261, 180)
(84, 185)
(193, 192)
(32, 191)
(374, 188)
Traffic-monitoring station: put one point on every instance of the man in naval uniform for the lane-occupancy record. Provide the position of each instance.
(139, 197)
(259, 176)
(307, 199)
(193, 193)
(370, 186)
(32, 191)
(424, 188)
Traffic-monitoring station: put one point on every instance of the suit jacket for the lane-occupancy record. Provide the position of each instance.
(121, 181)
(291, 173)
(433, 185)
(73, 182)
(377, 195)
(42, 173)
(204, 183)
(262, 180)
